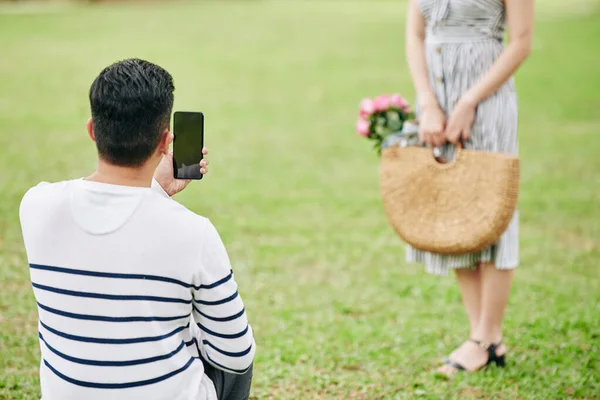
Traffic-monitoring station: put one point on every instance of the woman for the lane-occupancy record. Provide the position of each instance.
(463, 77)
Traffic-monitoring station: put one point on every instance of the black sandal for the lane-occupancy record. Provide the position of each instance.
(493, 357)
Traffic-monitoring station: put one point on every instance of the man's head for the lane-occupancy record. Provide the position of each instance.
(131, 104)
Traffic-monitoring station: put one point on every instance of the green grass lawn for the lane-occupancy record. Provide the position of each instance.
(294, 192)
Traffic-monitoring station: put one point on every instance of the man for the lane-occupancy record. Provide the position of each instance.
(135, 293)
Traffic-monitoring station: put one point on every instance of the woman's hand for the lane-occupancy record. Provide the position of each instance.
(460, 122)
(164, 174)
(431, 125)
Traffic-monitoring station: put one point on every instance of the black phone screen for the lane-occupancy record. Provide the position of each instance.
(188, 128)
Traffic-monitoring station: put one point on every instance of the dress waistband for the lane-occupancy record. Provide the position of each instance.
(460, 35)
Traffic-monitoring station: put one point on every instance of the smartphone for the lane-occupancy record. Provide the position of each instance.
(188, 142)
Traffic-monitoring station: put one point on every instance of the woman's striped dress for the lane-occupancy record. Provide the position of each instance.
(464, 38)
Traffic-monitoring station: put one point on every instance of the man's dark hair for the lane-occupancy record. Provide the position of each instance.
(131, 103)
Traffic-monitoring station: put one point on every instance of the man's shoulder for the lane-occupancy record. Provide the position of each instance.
(44, 192)
(173, 212)
(42, 199)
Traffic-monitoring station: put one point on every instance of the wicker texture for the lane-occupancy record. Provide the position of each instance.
(451, 208)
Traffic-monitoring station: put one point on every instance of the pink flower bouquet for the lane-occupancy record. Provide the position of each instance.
(382, 117)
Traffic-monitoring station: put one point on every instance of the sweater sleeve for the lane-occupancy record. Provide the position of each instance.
(226, 340)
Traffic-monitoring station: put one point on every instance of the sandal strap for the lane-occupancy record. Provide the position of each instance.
(489, 347)
(485, 345)
(454, 365)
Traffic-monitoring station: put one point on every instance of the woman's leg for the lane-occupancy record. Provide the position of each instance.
(469, 282)
(495, 288)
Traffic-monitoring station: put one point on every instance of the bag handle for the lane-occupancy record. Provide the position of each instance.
(459, 147)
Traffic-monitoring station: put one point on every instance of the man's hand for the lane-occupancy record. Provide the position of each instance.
(164, 174)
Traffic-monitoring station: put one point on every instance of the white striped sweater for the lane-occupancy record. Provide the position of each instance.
(132, 288)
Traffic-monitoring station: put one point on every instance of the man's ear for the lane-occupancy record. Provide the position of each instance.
(165, 141)
(90, 128)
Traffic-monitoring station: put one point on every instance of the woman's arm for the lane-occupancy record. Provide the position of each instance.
(433, 119)
(415, 55)
(519, 15)
(520, 32)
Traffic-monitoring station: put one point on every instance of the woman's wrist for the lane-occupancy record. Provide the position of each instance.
(470, 99)
(427, 101)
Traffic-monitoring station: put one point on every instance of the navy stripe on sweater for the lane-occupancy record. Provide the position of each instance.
(114, 341)
(217, 283)
(108, 319)
(114, 275)
(223, 335)
(217, 302)
(228, 353)
(109, 296)
(221, 319)
(237, 371)
(111, 363)
(124, 385)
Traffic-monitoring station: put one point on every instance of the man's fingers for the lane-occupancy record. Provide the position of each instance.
(204, 151)
(204, 171)
(203, 163)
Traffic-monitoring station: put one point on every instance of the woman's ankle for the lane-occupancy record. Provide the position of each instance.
(490, 336)
(474, 332)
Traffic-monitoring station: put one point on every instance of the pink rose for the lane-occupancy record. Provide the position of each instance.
(366, 107)
(406, 109)
(398, 101)
(363, 127)
(382, 103)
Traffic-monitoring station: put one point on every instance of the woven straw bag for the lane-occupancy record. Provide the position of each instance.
(450, 208)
